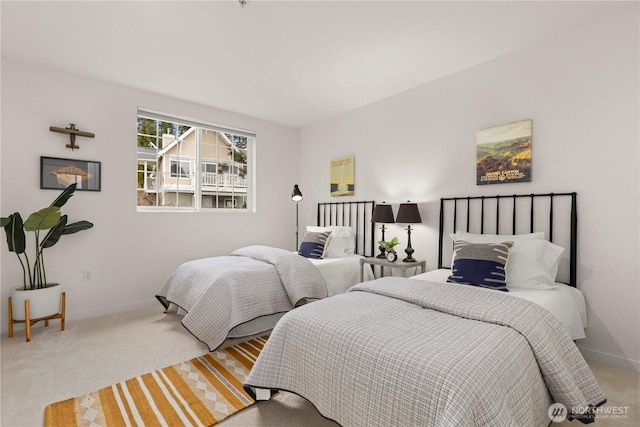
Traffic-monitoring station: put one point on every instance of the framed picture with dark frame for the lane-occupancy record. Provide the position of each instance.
(57, 174)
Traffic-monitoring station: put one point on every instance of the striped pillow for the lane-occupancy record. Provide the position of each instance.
(480, 264)
(314, 244)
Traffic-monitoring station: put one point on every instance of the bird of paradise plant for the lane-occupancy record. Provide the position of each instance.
(49, 218)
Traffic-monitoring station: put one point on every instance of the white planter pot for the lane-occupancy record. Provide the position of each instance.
(42, 302)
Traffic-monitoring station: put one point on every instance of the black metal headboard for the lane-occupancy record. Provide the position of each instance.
(553, 213)
(356, 215)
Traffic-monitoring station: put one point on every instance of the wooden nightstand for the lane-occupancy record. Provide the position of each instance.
(403, 266)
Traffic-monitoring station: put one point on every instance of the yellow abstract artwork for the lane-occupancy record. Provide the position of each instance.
(342, 177)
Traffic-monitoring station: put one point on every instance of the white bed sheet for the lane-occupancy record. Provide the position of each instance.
(565, 302)
(341, 273)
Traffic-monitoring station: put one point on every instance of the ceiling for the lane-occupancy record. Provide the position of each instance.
(294, 63)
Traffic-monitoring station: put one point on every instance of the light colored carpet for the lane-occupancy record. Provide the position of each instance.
(98, 352)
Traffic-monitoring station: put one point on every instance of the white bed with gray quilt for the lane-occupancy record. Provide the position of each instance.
(463, 351)
(565, 302)
(249, 290)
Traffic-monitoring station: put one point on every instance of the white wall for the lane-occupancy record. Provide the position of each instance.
(581, 91)
(129, 253)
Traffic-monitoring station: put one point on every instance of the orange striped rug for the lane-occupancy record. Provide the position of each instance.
(200, 392)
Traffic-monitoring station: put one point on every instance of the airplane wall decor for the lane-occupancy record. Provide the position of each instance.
(72, 131)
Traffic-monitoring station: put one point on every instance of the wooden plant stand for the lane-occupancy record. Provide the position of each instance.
(30, 322)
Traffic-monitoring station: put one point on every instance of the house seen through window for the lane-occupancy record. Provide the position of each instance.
(186, 164)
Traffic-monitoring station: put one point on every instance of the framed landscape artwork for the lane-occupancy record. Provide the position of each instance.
(503, 153)
(342, 177)
(57, 174)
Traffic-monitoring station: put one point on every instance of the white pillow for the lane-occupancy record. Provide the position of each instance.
(533, 264)
(533, 261)
(342, 242)
(494, 238)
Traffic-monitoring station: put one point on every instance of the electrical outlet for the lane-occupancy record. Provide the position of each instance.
(87, 275)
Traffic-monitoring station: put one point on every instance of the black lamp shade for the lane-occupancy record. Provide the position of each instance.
(408, 213)
(296, 196)
(383, 214)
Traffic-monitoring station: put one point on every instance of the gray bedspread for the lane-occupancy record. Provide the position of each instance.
(403, 352)
(220, 293)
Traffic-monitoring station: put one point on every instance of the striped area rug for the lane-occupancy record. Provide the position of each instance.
(199, 392)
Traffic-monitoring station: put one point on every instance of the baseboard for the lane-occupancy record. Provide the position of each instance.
(72, 315)
(611, 360)
(106, 311)
(589, 354)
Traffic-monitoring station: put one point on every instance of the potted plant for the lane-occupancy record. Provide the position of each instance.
(389, 246)
(34, 275)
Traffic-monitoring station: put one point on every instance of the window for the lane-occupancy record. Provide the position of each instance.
(191, 165)
(180, 167)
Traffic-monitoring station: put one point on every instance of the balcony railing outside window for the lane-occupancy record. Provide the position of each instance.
(187, 164)
(224, 180)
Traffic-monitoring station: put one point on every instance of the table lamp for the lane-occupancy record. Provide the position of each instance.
(384, 215)
(408, 213)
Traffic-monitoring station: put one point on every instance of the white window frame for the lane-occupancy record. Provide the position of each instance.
(179, 160)
(196, 164)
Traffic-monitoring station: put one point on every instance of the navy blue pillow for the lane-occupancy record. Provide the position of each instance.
(314, 244)
(480, 264)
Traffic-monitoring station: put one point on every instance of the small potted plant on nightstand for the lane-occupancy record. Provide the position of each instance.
(389, 246)
(37, 299)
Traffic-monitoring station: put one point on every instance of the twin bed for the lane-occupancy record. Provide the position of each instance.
(424, 351)
(248, 291)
